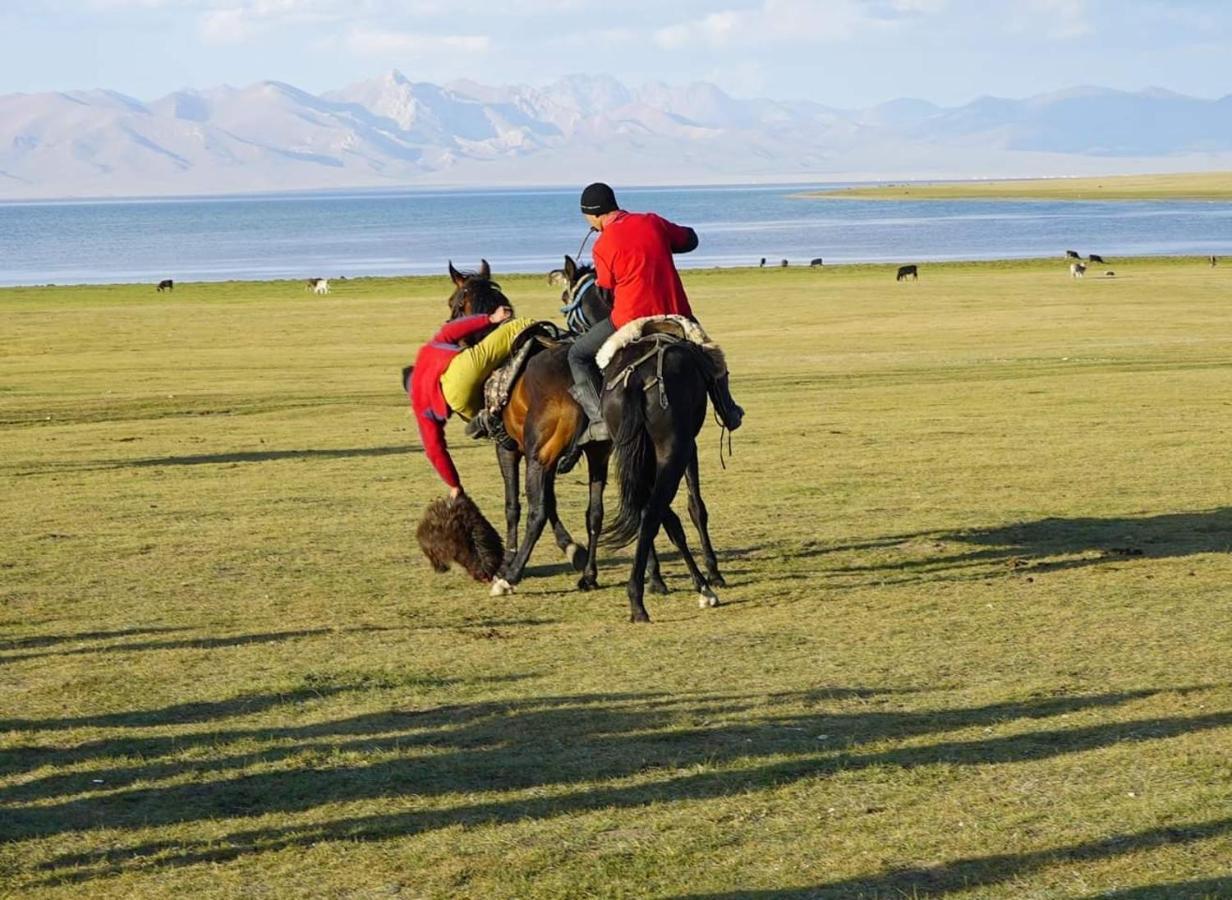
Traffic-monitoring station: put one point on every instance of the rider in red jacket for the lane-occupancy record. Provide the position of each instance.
(633, 260)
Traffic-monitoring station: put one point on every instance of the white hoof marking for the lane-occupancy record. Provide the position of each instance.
(500, 587)
(707, 599)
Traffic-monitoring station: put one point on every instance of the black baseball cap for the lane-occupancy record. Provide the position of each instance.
(598, 199)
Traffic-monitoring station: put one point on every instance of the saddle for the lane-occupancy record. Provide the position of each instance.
(657, 333)
(499, 387)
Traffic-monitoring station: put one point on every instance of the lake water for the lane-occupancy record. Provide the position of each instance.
(415, 232)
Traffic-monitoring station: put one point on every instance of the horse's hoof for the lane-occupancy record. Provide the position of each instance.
(500, 587)
(639, 617)
(659, 587)
(716, 579)
(707, 599)
(585, 583)
(577, 557)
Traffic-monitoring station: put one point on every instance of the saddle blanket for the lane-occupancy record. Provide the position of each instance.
(499, 386)
(681, 326)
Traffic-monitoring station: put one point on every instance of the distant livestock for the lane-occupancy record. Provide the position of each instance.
(905, 272)
(318, 285)
(168, 285)
(1072, 254)
(763, 262)
(1077, 270)
(1212, 262)
(815, 262)
(783, 263)
(1096, 258)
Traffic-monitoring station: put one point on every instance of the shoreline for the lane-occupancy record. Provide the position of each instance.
(1193, 186)
(338, 285)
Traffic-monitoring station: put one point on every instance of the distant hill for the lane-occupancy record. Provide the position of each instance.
(392, 131)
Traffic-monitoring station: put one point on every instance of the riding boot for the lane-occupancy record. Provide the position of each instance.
(588, 398)
(730, 412)
(481, 426)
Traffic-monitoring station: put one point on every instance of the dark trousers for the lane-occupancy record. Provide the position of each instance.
(583, 350)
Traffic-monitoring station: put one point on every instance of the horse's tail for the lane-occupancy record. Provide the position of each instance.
(635, 461)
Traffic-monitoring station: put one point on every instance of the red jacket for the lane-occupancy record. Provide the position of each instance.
(427, 399)
(633, 259)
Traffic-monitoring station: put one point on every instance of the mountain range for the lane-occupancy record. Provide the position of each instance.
(391, 131)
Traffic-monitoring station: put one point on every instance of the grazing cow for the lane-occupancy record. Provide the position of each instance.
(1077, 270)
(318, 285)
(783, 264)
(1072, 254)
(165, 285)
(1096, 258)
(763, 262)
(905, 272)
(814, 263)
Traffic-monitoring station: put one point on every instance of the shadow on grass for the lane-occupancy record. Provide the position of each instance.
(50, 640)
(257, 456)
(1048, 545)
(469, 757)
(965, 874)
(203, 643)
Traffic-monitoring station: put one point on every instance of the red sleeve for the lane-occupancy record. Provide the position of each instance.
(452, 332)
(681, 239)
(432, 433)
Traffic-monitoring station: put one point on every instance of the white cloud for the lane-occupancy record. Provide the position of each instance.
(792, 21)
(369, 42)
(1057, 19)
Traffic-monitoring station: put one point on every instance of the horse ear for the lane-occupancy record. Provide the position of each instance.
(458, 278)
(485, 271)
(570, 268)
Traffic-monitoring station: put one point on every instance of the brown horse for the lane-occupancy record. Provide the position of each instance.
(542, 419)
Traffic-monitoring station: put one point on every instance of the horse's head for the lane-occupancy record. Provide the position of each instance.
(585, 303)
(475, 293)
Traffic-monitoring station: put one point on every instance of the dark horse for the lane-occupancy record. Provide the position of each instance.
(542, 419)
(586, 305)
(654, 402)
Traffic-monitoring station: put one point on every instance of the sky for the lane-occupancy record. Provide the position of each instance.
(844, 53)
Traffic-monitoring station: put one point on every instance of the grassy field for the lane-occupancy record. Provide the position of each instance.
(1188, 186)
(976, 642)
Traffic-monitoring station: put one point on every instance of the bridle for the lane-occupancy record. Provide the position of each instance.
(575, 317)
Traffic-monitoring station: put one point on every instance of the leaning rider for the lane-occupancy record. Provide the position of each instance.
(633, 260)
(448, 378)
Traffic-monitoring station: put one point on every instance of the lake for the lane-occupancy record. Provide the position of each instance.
(417, 231)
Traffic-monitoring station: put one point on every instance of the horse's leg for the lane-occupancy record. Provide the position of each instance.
(564, 540)
(538, 498)
(596, 465)
(655, 574)
(509, 460)
(675, 530)
(701, 521)
(667, 482)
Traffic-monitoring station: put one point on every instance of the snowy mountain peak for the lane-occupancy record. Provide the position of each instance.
(391, 130)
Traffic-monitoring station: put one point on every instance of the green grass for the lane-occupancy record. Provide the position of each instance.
(1184, 186)
(975, 643)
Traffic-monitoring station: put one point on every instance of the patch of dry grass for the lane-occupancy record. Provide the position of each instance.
(1181, 186)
